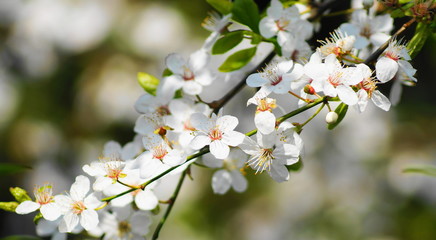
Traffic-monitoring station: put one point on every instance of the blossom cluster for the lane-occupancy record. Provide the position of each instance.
(176, 127)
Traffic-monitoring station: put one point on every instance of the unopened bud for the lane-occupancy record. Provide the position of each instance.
(309, 89)
(331, 117)
(367, 3)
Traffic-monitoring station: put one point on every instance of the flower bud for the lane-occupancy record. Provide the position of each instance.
(309, 89)
(367, 3)
(331, 117)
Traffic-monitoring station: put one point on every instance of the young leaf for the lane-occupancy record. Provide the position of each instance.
(426, 170)
(296, 166)
(341, 110)
(222, 6)
(418, 40)
(227, 42)
(148, 82)
(247, 13)
(10, 168)
(237, 60)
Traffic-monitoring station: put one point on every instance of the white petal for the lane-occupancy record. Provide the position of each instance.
(170, 85)
(200, 122)
(275, 9)
(362, 95)
(233, 138)
(94, 169)
(50, 211)
(80, 188)
(192, 88)
(377, 39)
(89, 219)
(175, 62)
(70, 221)
(279, 172)
(27, 207)
(221, 181)
(256, 80)
(268, 27)
(146, 200)
(239, 183)
(91, 201)
(101, 183)
(199, 141)
(380, 100)
(265, 122)
(347, 94)
(174, 158)
(219, 149)
(227, 123)
(198, 60)
(395, 93)
(140, 222)
(386, 69)
(112, 149)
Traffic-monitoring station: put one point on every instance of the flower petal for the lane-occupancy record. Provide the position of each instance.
(219, 149)
(89, 219)
(27, 207)
(221, 181)
(146, 200)
(386, 69)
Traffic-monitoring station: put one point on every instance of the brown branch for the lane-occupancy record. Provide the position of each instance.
(383, 47)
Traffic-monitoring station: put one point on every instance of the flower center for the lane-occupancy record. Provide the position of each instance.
(188, 75)
(159, 152)
(124, 228)
(43, 195)
(78, 207)
(335, 78)
(215, 134)
(262, 161)
(187, 126)
(282, 24)
(163, 110)
(368, 85)
(366, 31)
(266, 104)
(392, 55)
(271, 73)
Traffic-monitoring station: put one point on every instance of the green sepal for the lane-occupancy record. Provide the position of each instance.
(167, 72)
(19, 194)
(397, 13)
(255, 38)
(37, 218)
(10, 168)
(227, 42)
(418, 40)
(9, 206)
(237, 60)
(178, 94)
(246, 12)
(148, 82)
(156, 210)
(222, 6)
(341, 110)
(425, 169)
(296, 166)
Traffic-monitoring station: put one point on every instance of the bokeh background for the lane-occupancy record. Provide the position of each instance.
(68, 84)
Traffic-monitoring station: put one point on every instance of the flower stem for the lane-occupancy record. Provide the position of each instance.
(298, 96)
(171, 202)
(313, 116)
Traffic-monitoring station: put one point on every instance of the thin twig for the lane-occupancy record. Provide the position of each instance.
(171, 202)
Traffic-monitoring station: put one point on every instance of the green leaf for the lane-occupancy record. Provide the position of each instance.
(425, 169)
(227, 42)
(9, 206)
(20, 237)
(148, 82)
(237, 60)
(341, 110)
(247, 13)
(397, 13)
(10, 168)
(222, 6)
(417, 42)
(19, 194)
